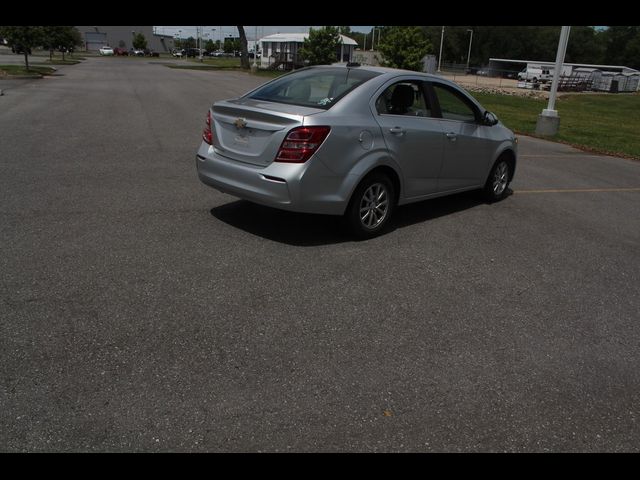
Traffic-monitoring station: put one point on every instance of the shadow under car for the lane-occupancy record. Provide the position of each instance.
(305, 229)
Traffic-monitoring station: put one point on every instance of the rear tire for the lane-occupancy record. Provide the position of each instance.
(497, 185)
(371, 206)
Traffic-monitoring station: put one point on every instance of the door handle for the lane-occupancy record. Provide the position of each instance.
(452, 136)
(397, 131)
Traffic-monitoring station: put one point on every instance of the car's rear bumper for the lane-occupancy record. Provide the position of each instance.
(308, 187)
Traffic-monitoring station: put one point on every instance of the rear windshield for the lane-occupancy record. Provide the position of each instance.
(314, 87)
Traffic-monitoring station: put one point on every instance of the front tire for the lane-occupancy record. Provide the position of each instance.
(497, 185)
(371, 206)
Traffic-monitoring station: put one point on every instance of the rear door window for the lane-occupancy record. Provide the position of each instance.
(313, 87)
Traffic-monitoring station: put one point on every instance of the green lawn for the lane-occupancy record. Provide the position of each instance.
(220, 62)
(608, 123)
(21, 70)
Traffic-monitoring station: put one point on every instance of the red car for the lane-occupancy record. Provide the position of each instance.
(121, 51)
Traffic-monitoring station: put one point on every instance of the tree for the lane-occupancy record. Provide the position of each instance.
(244, 55)
(621, 45)
(23, 37)
(139, 41)
(586, 44)
(321, 47)
(231, 45)
(62, 38)
(190, 43)
(404, 47)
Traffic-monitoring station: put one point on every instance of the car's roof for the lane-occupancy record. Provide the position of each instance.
(381, 70)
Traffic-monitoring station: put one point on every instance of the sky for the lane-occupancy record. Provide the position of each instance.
(221, 32)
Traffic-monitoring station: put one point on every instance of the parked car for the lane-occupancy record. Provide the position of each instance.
(177, 53)
(121, 51)
(535, 75)
(136, 52)
(106, 50)
(355, 141)
(192, 52)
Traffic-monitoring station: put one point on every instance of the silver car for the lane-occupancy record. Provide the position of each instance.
(354, 141)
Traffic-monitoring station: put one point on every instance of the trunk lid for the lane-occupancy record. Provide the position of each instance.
(251, 131)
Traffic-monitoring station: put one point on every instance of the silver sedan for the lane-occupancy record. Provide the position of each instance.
(354, 141)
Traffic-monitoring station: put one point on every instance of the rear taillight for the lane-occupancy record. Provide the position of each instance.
(301, 143)
(207, 134)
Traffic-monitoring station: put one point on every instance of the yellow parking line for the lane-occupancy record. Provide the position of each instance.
(579, 190)
(560, 155)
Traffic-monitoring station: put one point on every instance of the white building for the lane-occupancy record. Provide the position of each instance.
(280, 50)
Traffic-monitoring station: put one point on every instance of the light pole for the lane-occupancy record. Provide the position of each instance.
(549, 120)
(440, 56)
(255, 49)
(469, 54)
(373, 36)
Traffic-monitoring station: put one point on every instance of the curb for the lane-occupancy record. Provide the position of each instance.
(23, 77)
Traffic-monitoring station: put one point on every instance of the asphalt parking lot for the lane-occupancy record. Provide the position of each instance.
(143, 311)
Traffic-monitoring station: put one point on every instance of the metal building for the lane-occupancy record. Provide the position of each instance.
(95, 37)
(502, 66)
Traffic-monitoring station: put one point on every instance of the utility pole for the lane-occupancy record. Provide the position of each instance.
(440, 56)
(469, 54)
(549, 120)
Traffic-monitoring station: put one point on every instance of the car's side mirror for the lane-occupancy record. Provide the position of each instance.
(489, 118)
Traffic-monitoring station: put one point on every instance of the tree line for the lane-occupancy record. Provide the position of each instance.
(25, 38)
(615, 45)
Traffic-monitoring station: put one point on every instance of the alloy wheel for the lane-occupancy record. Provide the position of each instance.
(500, 179)
(374, 206)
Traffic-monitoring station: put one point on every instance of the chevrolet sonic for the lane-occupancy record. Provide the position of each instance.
(354, 141)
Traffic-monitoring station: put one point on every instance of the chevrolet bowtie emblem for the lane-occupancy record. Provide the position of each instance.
(240, 123)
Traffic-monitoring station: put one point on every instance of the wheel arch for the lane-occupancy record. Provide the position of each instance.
(391, 174)
(510, 156)
(380, 163)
